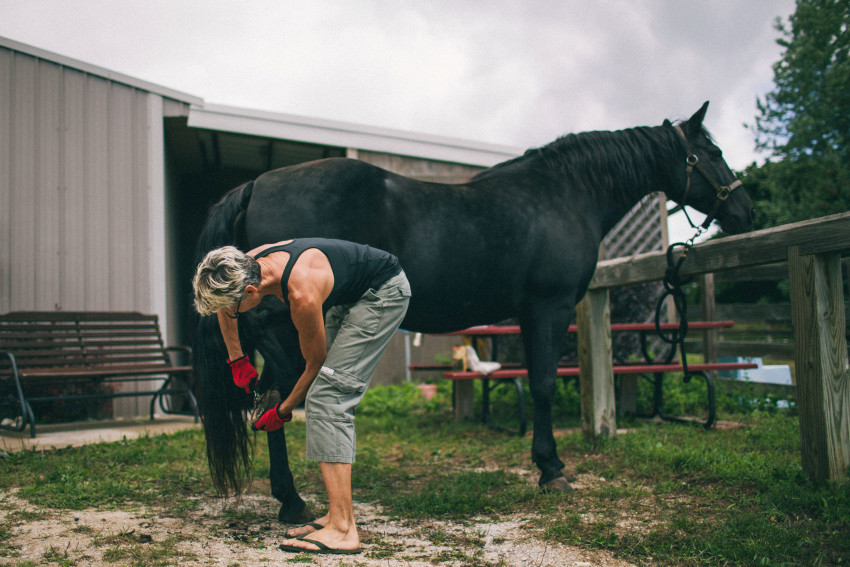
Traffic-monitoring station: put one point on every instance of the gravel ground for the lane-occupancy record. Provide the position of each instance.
(231, 536)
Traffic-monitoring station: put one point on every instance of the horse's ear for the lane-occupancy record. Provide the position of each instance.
(695, 121)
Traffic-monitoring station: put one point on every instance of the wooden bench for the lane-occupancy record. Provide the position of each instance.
(41, 350)
(463, 398)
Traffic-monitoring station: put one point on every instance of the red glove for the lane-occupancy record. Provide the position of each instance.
(244, 373)
(270, 421)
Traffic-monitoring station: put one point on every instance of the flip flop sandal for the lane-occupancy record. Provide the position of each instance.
(323, 549)
(313, 525)
(263, 403)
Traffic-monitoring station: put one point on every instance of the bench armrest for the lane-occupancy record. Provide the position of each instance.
(11, 356)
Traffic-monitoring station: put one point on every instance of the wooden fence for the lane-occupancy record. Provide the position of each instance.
(760, 330)
(812, 250)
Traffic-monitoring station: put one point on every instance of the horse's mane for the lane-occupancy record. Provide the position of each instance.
(609, 161)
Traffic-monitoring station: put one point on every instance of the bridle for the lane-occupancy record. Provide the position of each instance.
(673, 282)
(722, 192)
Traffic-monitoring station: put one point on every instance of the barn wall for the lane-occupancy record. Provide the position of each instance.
(76, 186)
(423, 169)
(81, 193)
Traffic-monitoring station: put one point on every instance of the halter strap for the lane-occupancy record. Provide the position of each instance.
(722, 192)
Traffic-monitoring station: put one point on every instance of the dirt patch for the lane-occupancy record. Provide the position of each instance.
(247, 534)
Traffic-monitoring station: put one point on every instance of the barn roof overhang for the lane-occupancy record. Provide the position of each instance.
(108, 74)
(347, 135)
(292, 128)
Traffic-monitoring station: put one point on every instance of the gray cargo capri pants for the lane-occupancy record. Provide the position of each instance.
(357, 336)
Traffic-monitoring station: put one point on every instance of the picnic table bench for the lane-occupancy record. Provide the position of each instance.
(40, 351)
(463, 396)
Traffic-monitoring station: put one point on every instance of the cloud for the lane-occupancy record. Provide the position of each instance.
(516, 73)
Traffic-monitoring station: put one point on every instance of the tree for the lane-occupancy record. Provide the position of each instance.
(805, 120)
(808, 112)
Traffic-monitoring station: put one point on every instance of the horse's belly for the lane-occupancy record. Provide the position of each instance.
(426, 316)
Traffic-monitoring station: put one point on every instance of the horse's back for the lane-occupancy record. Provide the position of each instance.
(295, 201)
(428, 226)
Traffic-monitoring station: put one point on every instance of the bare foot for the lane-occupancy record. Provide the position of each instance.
(332, 539)
(308, 528)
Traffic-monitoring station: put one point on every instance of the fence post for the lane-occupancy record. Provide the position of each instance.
(709, 313)
(820, 354)
(598, 408)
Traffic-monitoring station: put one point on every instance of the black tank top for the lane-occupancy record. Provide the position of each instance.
(356, 267)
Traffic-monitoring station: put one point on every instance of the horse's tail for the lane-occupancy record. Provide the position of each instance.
(221, 406)
(225, 222)
(221, 402)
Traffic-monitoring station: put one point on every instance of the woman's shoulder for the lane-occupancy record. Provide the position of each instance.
(262, 248)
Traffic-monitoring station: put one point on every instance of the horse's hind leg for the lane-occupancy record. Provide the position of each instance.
(543, 332)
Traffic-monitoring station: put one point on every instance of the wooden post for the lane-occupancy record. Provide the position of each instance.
(463, 390)
(464, 399)
(709, 313)
(598, 407)
(820, 353)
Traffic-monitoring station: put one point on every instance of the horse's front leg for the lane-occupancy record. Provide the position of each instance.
(543, 330)
(293, 509)
(277, 341)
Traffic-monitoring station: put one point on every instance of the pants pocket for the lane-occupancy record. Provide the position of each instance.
(366, 314)
(341, 381)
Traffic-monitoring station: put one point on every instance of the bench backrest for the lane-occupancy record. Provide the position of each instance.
(81, 339)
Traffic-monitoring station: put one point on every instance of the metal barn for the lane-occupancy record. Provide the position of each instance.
(105, 181)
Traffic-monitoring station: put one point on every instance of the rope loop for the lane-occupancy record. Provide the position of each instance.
(673, 288)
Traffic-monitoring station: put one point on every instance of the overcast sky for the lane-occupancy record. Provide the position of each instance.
(518, 73)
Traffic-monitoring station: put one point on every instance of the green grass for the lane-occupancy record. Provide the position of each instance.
(110, 475)
(662, 494)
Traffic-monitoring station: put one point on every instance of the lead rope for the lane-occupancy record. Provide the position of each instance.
(673, 288)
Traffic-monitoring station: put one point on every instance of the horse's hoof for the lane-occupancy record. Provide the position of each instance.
(559, 484)
(302, 516)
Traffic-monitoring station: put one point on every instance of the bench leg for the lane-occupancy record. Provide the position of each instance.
(183, 389)
(159, 395)
(523, 418)
(485, 402)
(627, 395)
(24, 417)
(464, 400)
(29, 416)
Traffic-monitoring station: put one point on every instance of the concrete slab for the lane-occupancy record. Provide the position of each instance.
(77, 434)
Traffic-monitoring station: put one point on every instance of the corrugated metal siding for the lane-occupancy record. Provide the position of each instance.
(75, 189)
(76, 193)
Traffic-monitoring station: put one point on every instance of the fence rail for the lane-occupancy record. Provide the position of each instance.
(812, 250)
(816, 236)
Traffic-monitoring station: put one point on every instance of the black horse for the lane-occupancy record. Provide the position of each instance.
(517, 240)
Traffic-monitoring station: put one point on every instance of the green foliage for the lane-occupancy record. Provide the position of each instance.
(695, 497)
(805, 120)
(110, 475)
(808, 112)
(661, 494)
(461, 495)
(399, 401)
(794, 190)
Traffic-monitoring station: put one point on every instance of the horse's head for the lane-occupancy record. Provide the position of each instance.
(707, 183)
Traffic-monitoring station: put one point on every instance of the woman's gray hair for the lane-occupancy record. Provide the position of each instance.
(221, 279)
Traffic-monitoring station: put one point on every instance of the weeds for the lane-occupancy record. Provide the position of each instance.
(663, 494)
